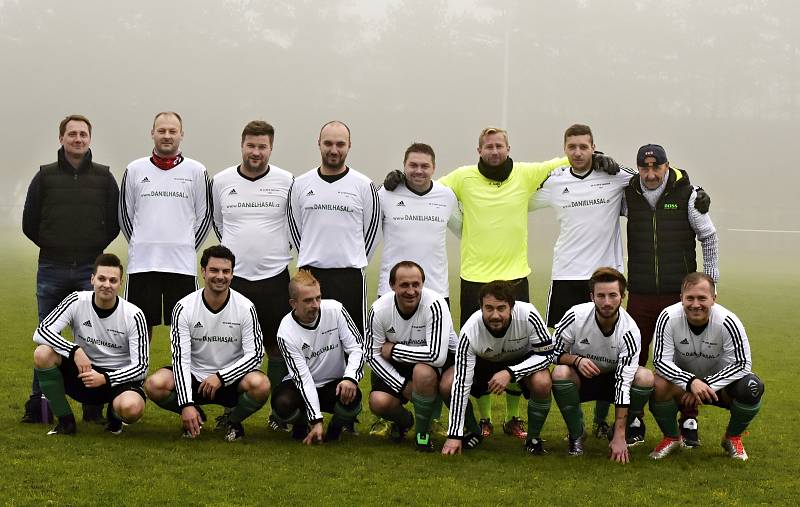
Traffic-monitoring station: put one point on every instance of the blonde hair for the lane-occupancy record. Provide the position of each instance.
(489, 131)
(302, 278)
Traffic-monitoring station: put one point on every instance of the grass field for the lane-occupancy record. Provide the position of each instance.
(150, 464)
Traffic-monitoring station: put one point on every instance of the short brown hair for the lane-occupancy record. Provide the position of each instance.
(302, 277)
(499, 289)
(109, 260)
(62, 127)
(165, 113)
(489, 131)
(606, 275)
(420, 148)
(578, 130)
(696, 278)
(259, 128)
(404, 264)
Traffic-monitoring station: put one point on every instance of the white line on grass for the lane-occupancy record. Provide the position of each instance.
(764, 230)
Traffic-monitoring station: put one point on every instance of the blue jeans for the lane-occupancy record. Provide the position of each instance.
(54, 282)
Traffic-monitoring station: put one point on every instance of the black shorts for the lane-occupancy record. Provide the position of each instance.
(227, 396)
(483, 373)
(564, 294)
(347, 286)
(271, 299)
(95, 395)
(148, 290)
(326, 395)
(600, 387)
(406, 370)
(470, 296)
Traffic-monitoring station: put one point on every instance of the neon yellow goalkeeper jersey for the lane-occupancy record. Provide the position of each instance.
(494, 238)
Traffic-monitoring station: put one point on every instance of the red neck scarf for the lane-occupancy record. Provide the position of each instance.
(166, 163)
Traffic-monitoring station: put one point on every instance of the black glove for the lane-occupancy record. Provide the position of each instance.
(394, 179)
(703, 201)
(601, 162)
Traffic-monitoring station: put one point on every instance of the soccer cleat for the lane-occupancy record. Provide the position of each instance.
(516, 428)
(438, 428)
(276, 425)
(65, 426)
(334, 433)
(380, 428)
(114, 424)
(575, 445)
(234, 431)
(300, 430)
(666, 446)
(398, 432)
(689, 432)
(471, 440)
(534, 446)
(222, 420)
(634, 434)
(600, 429)
(734, 448)
(487, 428)
(424, 443)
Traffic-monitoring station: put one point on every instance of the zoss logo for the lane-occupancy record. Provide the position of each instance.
(670, 205)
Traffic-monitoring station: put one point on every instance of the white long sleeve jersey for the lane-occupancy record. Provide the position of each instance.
(226, 342)
(423, 338)
(526, 347)
(315, 355)
(415, 229)
(118, 342)
(718, 356)
(578, 333)
(588, 213)
(250, 218)
(165, 215)
(334, 225)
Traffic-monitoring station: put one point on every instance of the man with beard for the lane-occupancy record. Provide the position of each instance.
(334, 217)
(597, 350)
(216, 352)
(165, 215)
(250, 202)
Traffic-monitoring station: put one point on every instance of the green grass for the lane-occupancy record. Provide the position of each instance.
(150, 464)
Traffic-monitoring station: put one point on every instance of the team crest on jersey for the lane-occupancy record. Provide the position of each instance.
(401, 203)
(684, 342)
(566, 190)
(198, 325)
(87, 324)
(310, 193)
(146, 180)
(585, 341)
(233, 192)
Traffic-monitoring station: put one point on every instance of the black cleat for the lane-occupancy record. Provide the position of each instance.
(601, 429)
(424, 443)
(471, 440)
(234, 431)
(534, 446)
(222, 420)
(300, 430)
(689, 433)
(114, 424)
(65, 426)
(276, 425)
(93, 414)
(575, 447)
(334, 433)
(634, 433)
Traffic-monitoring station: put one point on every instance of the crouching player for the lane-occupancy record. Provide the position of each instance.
(408, 333)
(505, 341)
(597, 347)
(702, 356)
(322, 349)
(108, 359)
(216, 351)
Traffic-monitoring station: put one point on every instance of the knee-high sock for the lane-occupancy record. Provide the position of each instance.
(639, 397)
(170, 403)
(423, 406)
(52, 384)
(741, 415)
(665, 414)
(537, 415)
(346, 414)
(513, 396)
(436, 413)
(276, 371)
(246, 407)
(601, 411)
(399, 416)
(569, 402)
(485, 406)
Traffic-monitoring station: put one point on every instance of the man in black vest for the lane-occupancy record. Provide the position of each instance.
(663, 226)
(71, 215)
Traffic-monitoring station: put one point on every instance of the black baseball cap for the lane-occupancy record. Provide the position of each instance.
(651, 150)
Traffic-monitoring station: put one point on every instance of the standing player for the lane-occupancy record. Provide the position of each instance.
(323, 350)
(702, 356)
(165, 215)
(663, 223)
(108, 358)
(250, 205)
(408, 333)
(216, 351)
(72, 190)
(334, 216)
(596, 350)
(505, 341)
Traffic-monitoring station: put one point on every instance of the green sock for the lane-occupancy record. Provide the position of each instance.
(512, 401)
(436, 412)
(741, 415)
(170, 403)
(246, 407)
(485, 406)
(665, 414)
(469, 419)
(569, 402)
(537, 414)
(276, 371)
(639, 397)
(601, 411)
(344, 415)
(52, 383)
(400, 416)
(423, 406)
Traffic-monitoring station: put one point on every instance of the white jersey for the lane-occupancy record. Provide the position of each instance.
(588, 211)
(319, 354)
(226, 342)
(117, 342)
(525, 348)
(578, 333)
(718, 356)
(334, 225)
(250, 219)
(415, 229)
(165, 215)
(424, 337)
